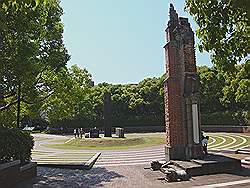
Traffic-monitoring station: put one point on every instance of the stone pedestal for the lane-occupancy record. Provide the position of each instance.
(119, 132)
(210, 164)
(183, 152)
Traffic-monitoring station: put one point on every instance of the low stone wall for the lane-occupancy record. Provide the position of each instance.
(144, 129)
(206, 128)
(12, 173)
(155, 128)
(226, 128)
(8, 173)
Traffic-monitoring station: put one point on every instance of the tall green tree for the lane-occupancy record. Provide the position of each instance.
(31, 46)
(236, 92)
(211, 86)
(223, 29)
(71, 97)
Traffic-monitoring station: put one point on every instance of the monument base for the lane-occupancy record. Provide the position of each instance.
(210, 164)
(183, 152)
(108, 132)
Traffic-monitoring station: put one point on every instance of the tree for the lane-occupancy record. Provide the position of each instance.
(236, 95)
(31, 46)
(211, 86)
(225, 94)
(71, 98)
(223, 29)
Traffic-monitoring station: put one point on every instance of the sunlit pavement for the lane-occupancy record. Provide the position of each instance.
(125, 172)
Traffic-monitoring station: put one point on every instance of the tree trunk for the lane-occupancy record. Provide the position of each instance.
(18, 105)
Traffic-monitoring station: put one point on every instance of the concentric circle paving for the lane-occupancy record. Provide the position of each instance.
(41, 154)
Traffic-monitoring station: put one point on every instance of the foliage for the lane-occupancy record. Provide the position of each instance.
(236, 90)
(223, 29)
(71, 97)
(132, 104)
(33, 72)
(211, 85)
(8, 117)
(31, 47)
(15, 145)
(224, 92)
(142, 104)
(218, 118)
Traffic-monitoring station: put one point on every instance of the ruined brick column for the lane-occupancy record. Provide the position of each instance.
(182, 116)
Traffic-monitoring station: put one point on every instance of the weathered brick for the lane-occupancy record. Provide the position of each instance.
(180, 65)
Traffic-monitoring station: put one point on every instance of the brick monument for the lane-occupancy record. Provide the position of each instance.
(182, 115)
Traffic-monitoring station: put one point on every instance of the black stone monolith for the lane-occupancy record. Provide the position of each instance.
(107, 115)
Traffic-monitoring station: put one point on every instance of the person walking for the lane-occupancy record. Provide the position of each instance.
(204, 143)
(81, 132)
(75, 132)
(78, 132)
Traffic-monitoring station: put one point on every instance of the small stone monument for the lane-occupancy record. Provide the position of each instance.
(94, 133)
(119, 132)
(107, 115)
(182, 112)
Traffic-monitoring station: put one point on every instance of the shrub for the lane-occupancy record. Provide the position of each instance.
(125, 121)
(218, 118)
(137, 121)
(15, 145)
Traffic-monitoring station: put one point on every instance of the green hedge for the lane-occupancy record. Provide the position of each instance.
(116, 121)
(218, 118)
(15, 145)
(137, 121)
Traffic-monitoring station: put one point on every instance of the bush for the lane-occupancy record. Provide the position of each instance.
(125, 121)
(15, 145)
(218, 118)
(137, 121)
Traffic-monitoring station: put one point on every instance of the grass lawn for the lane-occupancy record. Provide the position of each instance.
(141, 140)
(39, 138)
(131, 141)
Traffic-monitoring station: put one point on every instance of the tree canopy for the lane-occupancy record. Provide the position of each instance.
(33, 72)
(31, 46)
(223, 29)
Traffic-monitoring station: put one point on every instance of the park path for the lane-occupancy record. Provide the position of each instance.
(131, 157)
(43, 154)
(220, 142)
(125, 168)
(47, 155)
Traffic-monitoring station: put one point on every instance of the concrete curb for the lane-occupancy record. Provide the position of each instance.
(84, 166)
(245, 162)
(243, 151)
(90, 163)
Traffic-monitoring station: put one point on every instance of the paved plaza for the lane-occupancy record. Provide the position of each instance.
(127, 176)
(125, 168)
(218, 142)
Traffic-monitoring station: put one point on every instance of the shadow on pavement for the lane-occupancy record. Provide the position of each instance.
(54, 177)
(244, 172)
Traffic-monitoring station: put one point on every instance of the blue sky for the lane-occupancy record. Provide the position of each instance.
(120, 41)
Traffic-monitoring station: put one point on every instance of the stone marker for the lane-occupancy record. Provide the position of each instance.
(94, 133)
(107, 115)
(119, 132)
(182, 108)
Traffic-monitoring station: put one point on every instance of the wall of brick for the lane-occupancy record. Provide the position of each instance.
(180, 85)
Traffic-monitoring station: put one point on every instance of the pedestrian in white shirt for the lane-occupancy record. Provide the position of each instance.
(75, 132)
(204, 143)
